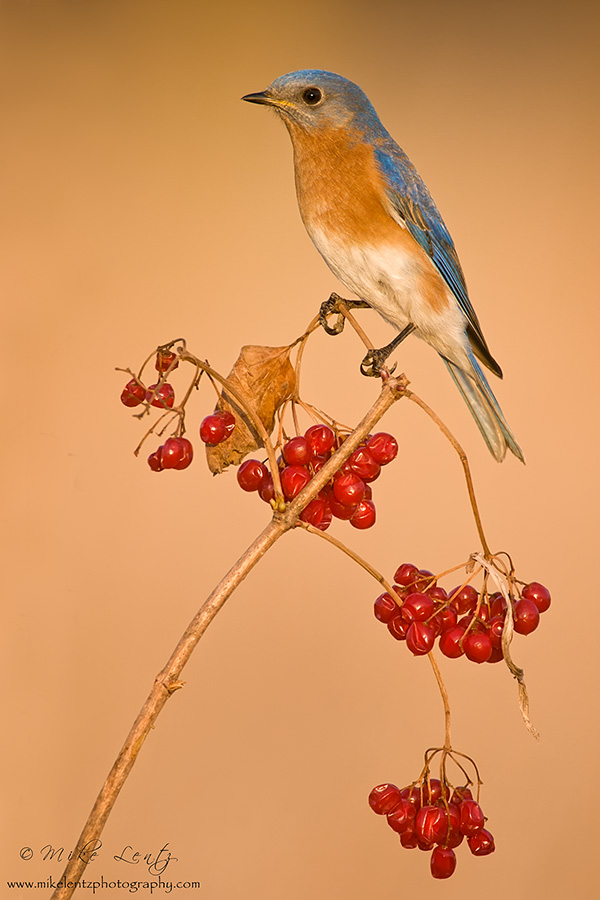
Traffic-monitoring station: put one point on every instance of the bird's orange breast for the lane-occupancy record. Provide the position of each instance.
(341, 195)
(339, 188)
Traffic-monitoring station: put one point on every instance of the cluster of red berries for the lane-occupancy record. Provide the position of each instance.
(176, 452)
(347, 496)
(134, 393)
(427, 816)
(465, 621)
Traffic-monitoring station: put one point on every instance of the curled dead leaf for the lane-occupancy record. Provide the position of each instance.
(265, 379)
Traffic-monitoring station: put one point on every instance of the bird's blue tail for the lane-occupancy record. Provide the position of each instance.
(485, 409)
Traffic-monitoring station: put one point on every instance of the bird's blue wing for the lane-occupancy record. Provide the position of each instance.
(412, 202)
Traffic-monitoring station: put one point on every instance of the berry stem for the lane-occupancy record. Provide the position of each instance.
(354, 556)
(465, 464)
(301, 342)
(154, 428)
(445, 700)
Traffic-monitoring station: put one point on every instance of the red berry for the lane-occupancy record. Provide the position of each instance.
(154, 460)
(398, 627)
(417, 607)
(339, 510)
(297, 452)
(438, 593)
(171, 453)
(450, 642)
(251, 475)
(527, 616)
(386, 608)
(464, 599)
(477, 646)
(317, 513)
(383, 447)
(402, 817)
(164, 398)
(471, 623)
(293, 479)
(420, 638)
(133, 393)
(228, 418)
(384, 798)
(406, 574)
(482, 843)
(432, 791)
(362, 464)
(164, 358)
(217, 427)
(364, 515)
(425, 581)
(187, 454)
(317, 463)
(320, 439)
(536, 592)
(436, 626)
(445, 618)
(176, 453)
(348, 489)
(496, 627)
(496, 655)
(266, 491)
(431, 824)
(454, 836)
(212, 430)
(472, 819)
(497, 604)
(413, 794)
(459, 794)
(443, 862)
(409, 839)
(484, 613)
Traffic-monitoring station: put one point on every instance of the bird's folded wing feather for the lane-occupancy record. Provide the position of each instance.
(411, 202)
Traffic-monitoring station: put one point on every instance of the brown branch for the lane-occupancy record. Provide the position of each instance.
(167, 681)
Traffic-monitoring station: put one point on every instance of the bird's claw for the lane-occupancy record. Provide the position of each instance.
(328, 308)
(373, 365)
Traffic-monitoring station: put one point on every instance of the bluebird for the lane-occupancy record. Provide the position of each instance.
(375, 224)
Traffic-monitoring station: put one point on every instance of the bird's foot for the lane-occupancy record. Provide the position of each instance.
(331, 306)
(373, 365)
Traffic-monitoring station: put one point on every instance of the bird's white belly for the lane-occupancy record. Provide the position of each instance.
(391, 280)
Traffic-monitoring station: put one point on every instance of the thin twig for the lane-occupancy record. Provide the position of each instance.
(343, 309)
(465, 464)
(354, 556)
(445, 700)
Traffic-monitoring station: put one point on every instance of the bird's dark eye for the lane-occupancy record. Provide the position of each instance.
(312, 96)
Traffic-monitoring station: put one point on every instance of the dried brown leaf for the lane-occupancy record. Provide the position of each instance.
(265, 378)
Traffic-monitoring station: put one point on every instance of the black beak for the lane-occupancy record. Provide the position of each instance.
(259, 97)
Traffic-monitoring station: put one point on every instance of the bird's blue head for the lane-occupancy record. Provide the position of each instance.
(314, 99)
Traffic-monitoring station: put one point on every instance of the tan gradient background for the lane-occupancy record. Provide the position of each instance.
(140, 200)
